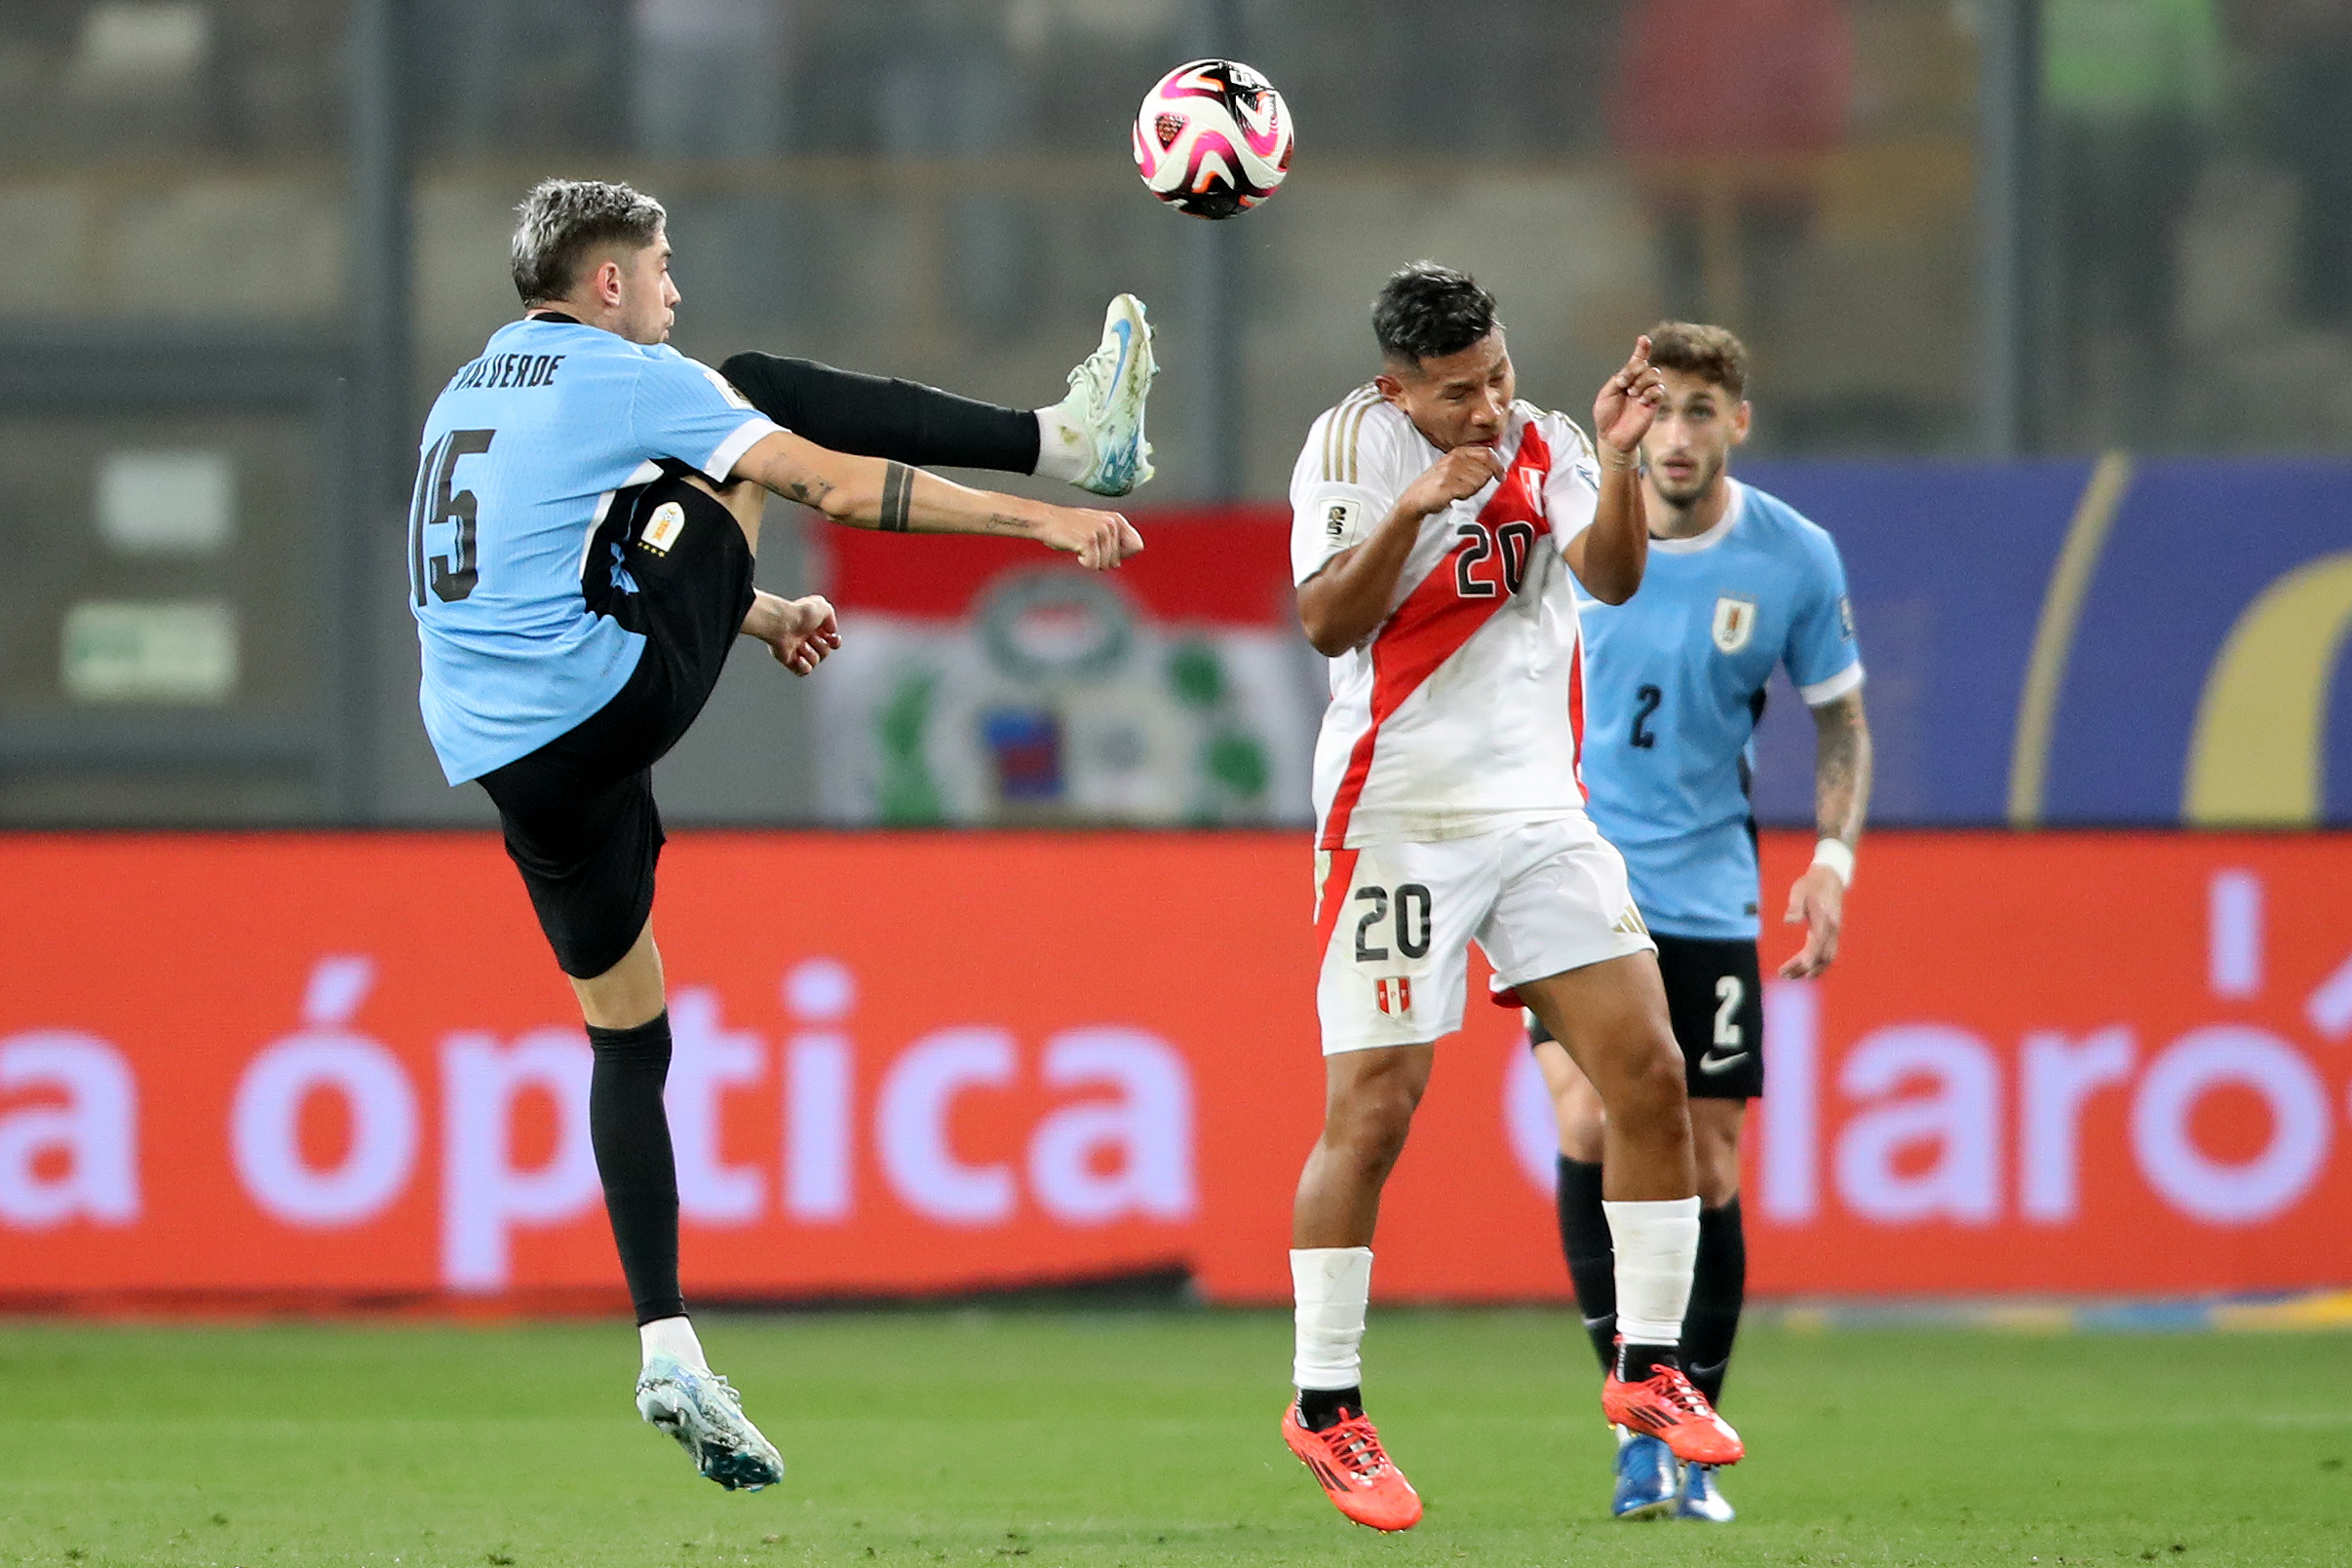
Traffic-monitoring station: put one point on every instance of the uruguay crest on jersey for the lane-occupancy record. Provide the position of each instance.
(1734, 623)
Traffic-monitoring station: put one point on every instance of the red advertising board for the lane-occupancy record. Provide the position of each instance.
(343, 1069)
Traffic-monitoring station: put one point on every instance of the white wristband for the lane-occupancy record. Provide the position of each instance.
(1837, 856)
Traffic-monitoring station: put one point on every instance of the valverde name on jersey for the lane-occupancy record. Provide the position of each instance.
(521, 460)
(1677, 678)
(1461, 711)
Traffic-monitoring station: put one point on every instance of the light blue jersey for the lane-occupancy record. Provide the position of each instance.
(1676, 680)
(521, 458)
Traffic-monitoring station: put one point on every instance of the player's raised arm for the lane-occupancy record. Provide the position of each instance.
(1342, 605)
(870, 492)
(1610, 555)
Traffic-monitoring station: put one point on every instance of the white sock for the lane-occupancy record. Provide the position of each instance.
(1657, 1243)
(673, 1337)
(1332, 1286)
(1062, 449)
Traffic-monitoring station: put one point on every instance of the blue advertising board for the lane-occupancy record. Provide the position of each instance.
(2080, 642)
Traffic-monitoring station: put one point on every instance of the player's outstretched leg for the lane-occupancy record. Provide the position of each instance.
(1091, 438)
(1369, 1097)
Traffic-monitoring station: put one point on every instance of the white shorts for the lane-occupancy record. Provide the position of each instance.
(1398, 921)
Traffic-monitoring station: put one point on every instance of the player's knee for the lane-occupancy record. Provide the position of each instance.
(1376, 1129)
(1369, 1123)
(1649, 1084)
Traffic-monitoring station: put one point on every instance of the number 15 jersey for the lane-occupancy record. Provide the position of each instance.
(1463, 711)
(521, 457)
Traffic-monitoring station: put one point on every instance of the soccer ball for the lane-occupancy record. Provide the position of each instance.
(1212, 138)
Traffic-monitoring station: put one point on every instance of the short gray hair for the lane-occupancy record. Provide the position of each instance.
(563, 219)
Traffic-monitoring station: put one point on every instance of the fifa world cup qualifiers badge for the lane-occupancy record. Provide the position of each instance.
(662, 529)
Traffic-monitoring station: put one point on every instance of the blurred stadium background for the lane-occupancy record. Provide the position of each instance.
(255, 236)
(2052, 306)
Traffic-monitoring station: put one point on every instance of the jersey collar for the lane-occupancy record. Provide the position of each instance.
(1712, 536)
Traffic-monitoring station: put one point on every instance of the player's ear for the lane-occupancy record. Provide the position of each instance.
(1739, 422)
(1390, 388)
(606, 282)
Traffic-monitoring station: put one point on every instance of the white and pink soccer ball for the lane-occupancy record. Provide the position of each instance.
(1212, 138)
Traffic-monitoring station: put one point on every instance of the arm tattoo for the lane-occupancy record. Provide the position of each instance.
(808, 492)
(1841, 768)
(898, 497)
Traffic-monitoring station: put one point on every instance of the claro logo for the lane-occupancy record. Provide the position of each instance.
(1115, 1142)
(1929, 1121)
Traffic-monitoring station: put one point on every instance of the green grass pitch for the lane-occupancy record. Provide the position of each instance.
(1148, 1438)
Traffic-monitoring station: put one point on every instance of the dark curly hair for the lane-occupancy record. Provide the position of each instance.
(1427, 311)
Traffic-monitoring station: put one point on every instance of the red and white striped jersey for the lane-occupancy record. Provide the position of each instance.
(1463, 711)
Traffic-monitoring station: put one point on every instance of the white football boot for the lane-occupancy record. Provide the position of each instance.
(705, 1414)
(1104, 409)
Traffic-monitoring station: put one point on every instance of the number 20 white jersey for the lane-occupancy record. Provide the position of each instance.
(1463, 711)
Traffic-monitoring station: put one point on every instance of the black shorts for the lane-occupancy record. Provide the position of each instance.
(1715, 996)
(578, 812)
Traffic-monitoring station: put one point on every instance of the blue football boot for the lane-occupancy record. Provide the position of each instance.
(1645, 1478)
(1698, 1498)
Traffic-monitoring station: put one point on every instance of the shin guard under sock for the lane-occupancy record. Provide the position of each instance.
(1657, 1244)
(1719, 1289)
(1584, 1238)
(631, 1135)
(877, 416)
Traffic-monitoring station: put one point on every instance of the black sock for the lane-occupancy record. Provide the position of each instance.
(1322, 1409)
(630, 1137)
(1584, 1237)
(1634, 1362)
(1718, 1287)
(876, 416)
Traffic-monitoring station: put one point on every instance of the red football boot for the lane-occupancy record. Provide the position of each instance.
(1663, 1406)
(1363, 1481)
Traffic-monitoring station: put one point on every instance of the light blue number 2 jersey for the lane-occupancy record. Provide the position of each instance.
(522, 456)
(1675, 681)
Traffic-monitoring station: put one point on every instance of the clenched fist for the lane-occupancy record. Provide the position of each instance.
(1456, 477)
